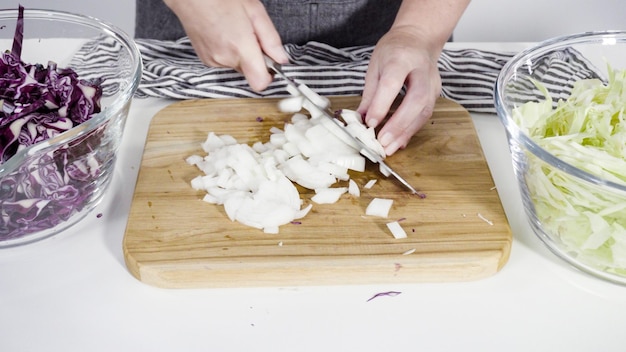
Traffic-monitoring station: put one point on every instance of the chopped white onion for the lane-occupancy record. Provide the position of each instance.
(275, 203)
(484, 219)
(352, 161)
(271, 229)
(260, 147)
(370, 184)
(307, 175)
(299, 118)
(318, 100)
(194, 159)
(315, 111)
(384, 169)
(338, 171)
(275, 129)
(396, 230)
(255, 184)
(367, 135)
(351, 116)
(290, 104)
(328, 195)
(209, 198)
(379, 207)
(278, 139)
(353, 188)
(213, 142)
(302, 213)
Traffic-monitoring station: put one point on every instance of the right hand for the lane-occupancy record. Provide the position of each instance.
(232, 33)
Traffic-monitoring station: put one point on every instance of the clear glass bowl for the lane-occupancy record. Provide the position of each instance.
(564, 202)
(50, 186)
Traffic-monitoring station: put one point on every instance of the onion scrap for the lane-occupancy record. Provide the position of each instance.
(379, 207)
(396, 230)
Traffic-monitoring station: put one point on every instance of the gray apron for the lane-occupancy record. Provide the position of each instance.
(340, 23)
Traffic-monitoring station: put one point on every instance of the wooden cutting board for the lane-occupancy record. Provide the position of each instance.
(458, 232)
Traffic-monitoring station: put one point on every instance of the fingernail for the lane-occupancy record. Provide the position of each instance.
(392, 148)
(386, 139)
(371, 122)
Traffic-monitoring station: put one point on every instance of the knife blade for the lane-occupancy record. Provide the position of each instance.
(365, 150)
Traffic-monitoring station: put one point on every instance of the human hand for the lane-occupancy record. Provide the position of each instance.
(402, 56)
(233, 33)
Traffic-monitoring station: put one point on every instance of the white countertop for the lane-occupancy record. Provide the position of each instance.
(73, 292)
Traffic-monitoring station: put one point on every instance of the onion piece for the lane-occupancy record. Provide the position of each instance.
(278, 139)
(232, 204)
(338, 132)
(275, 203)
(317, 100)
(260, 147)
(194, 159)
(351, 116)
(483, 218)
(294, 132)
(338, 171)
(379, 207)
(357, 129)
(396, 230)
(328, 195)
(353, 188)
(352, 161)
(291, 104)
(384, 169)
(368, 138)
(249, 184)
(212, 142)
(303, 212)
(318, 135)
(370, 184)
(271, 230)
(302, 172)
(410, 251)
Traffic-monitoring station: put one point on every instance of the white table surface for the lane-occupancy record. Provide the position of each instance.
(73, 292)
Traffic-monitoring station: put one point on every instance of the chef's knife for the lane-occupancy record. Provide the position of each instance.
(366, 151)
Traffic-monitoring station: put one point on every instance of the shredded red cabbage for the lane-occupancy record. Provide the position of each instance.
(38, 103)
(19, 33)
(381, 294)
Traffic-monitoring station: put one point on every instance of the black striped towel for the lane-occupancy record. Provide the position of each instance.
(172, 70)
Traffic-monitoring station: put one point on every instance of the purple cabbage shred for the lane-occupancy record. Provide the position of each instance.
(37, 103)
(381, 294)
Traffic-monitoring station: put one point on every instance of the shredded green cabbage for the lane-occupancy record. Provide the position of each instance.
(588, 131)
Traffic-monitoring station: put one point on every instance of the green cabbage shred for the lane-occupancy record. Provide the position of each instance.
(588, 131)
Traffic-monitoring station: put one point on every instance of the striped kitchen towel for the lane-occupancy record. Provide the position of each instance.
(172, 70)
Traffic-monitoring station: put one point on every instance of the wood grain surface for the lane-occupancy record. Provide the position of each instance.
(458, 232)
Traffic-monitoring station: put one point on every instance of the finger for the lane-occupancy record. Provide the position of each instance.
(266, 40)
(387, 87)
(253, 67)
(401, 128)
(266, 34)
(410, 116)
(369, 88)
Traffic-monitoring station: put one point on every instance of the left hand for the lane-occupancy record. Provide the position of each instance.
(402, 56)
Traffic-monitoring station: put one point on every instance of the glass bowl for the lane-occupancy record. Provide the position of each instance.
(574, 197)
(51, 185)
